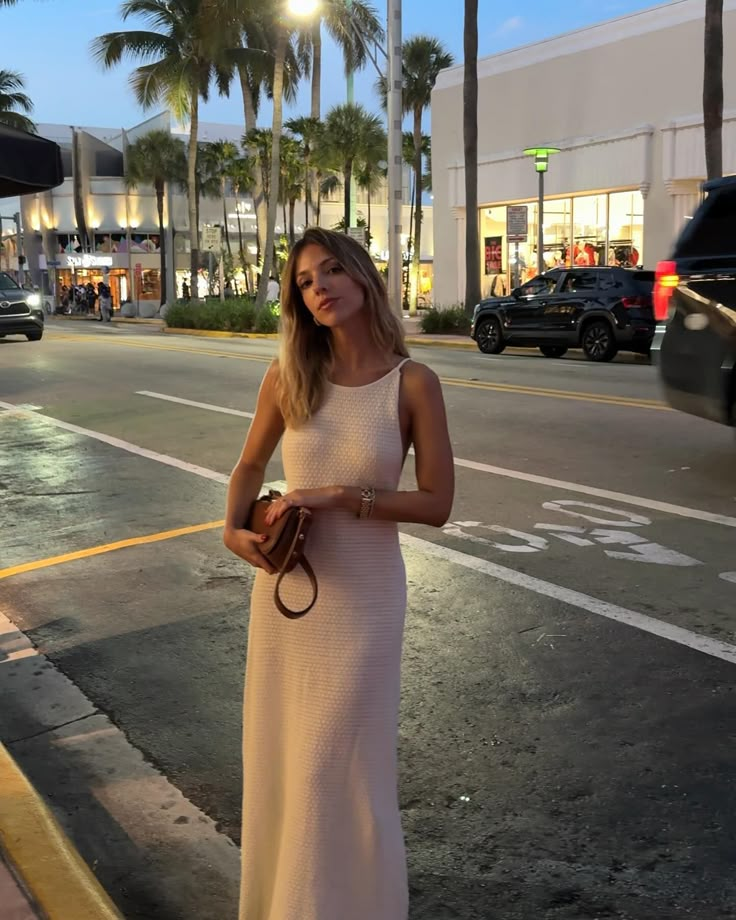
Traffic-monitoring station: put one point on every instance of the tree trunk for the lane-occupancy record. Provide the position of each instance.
(224, 217)
(470, 137)
(278, 115)
(307, 185)
(416, 255)
(318, 210)
(713, 88)
(162, 237)
(292, 232)
(193, 195)
(259, 196)
(348, 176)
(410, 242)
(316, 66)
(241, 250)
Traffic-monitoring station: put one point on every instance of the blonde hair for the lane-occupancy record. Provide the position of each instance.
(305, 352)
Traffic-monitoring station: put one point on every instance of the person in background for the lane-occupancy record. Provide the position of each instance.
(272, 290)
(185, 295)
(103, 292)
(229, 289)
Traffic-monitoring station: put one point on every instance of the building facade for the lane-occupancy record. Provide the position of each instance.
(94, 228)
(622, 100)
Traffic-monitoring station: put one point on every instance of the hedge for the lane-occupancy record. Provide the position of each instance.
(233, 315)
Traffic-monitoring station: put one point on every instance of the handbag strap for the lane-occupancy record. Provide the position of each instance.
(304, 563)
(281, 606)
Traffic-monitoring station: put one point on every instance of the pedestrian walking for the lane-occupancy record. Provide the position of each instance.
(103, 292)
(185, 290)
(272, 290)
(322, 837)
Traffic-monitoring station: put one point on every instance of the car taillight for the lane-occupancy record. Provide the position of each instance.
(630, 302)
(666, 280)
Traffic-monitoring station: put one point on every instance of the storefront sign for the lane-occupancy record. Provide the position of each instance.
(517, 223)
(493, 254)
(88, 261)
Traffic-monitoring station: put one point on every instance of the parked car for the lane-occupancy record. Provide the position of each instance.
(695, 307)
(21, 311)
(602, 310)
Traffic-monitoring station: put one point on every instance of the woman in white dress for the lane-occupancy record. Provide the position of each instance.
(322, 836)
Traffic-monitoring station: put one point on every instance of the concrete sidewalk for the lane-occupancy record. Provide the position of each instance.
(48, 878)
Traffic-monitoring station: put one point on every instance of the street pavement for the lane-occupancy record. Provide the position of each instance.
(567, 722)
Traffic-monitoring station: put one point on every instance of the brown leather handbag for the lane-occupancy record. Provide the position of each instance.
(284, 547)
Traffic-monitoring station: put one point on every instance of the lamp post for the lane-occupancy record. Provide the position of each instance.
(541, 161)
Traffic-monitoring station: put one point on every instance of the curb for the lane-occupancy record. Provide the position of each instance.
(212, 334)
(43, 857)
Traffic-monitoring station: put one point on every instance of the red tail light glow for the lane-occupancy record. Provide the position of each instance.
(630, 302)
(666, 280)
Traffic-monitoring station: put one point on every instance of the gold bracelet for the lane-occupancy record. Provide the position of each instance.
(367, 500)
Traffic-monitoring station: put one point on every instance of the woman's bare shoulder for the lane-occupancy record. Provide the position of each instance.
(419, 377)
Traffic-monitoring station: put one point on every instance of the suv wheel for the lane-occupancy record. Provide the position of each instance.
(489, 337)
(598, 341)
(34, 336)
(553, 351)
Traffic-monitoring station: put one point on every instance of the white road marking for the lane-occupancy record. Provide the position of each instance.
(728, 576)
(123, 445)
(653, 504)
(677, 634)
(196, 405)
(704, 644)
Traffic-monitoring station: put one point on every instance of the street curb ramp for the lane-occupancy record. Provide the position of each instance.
(42, 856)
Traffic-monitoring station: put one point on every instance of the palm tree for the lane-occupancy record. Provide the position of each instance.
(351, 131)
(423, 57)
(181, 59)
(470, 136)
(13, 98)
(292, 185)
(354, 26)
(157, 159)
(310, 132)
(713, 88)
(241, 176)
(218, 158)
(370, 178)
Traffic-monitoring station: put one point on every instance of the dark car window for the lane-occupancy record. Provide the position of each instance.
(712, 231)
(7, 283)
(544, 284)
(642, 281)
(580, 281)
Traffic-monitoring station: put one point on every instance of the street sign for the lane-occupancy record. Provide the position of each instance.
(357, 234)
(517, 223)
(211, 239)
(53, 263)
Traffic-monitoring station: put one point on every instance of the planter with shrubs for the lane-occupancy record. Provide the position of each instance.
(237, 314)
(445, 321)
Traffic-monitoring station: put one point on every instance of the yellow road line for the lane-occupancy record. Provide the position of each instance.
(52, 870)
(601, 398)
(108, 548)
(558, 394)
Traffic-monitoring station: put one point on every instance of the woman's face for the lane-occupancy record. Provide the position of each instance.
(329, 293)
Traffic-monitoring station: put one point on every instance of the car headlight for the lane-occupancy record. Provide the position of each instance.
(475, 309)
(33, 300)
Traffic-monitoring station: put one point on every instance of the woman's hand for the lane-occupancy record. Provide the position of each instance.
(314, 499)
(245, 543)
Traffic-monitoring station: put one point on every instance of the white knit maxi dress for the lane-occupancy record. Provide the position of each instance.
(322, 837)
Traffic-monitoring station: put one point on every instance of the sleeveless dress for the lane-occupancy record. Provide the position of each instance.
(322, 837)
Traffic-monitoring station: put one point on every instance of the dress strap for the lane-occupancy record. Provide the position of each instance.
(401, 363)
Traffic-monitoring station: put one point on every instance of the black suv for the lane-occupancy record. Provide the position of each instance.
(695, 306)
(21, 311)
(601, 310)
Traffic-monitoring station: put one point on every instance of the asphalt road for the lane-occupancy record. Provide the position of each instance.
(567, 725)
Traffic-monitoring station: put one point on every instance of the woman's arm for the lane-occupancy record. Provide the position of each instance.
(431, 503)
(247, 476)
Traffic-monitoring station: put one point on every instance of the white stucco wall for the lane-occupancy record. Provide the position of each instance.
(623, 101)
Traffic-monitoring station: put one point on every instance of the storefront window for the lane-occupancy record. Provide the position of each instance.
(626, 229)
(589, 223)
(606, 229)
(149, 284)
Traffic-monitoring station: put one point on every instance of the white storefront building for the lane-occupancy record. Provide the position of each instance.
(622, 100)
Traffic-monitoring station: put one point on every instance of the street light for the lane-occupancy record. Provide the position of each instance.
(393, 75)
(541, 161)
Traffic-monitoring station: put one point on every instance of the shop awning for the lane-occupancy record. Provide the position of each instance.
(28, 163)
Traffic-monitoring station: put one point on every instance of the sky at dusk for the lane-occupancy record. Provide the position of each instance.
(48, 41)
